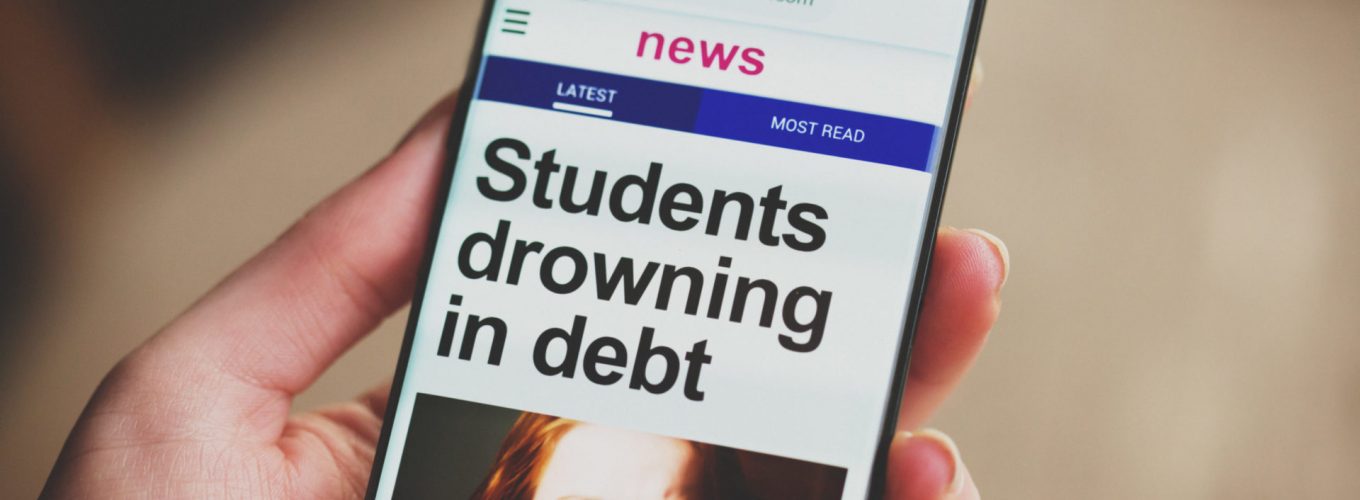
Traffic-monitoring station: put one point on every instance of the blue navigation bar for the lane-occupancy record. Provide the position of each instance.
(714, 113)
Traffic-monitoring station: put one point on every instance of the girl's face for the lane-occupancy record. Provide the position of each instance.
(598, 463)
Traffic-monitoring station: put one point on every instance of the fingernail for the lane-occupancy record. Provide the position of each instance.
(1001, 251)
(956, 475)
(411, 132)
(435, 112)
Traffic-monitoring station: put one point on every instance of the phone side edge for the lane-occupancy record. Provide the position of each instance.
(452, 143)
(878, 477)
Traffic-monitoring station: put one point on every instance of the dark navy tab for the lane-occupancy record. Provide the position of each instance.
(714, 113)
(633, 100)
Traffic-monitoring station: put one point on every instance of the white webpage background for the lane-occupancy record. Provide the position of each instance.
(825, 406)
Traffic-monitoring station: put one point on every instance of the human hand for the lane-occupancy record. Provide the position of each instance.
(203, 408)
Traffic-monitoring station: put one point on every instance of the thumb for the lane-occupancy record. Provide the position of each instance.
(926, 465)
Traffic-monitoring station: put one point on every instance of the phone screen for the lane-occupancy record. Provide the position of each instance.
(679, 250)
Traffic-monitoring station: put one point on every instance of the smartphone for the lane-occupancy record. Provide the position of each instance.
(679, 250)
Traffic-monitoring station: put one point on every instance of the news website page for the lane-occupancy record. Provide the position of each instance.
(677, 250)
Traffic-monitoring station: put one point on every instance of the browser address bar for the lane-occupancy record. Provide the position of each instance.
(766, 12)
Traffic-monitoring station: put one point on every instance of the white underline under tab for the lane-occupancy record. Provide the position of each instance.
(585, 110)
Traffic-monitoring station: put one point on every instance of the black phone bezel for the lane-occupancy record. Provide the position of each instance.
(913, 307)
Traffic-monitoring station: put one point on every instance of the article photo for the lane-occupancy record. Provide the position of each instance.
(462, 450)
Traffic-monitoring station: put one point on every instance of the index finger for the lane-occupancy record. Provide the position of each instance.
(961, 304)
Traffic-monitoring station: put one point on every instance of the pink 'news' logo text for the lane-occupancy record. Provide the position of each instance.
(712, 55)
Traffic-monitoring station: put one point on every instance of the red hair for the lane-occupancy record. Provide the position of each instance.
(533, 438)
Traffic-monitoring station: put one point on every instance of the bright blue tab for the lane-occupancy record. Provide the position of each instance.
(727, 115)
(815, 129)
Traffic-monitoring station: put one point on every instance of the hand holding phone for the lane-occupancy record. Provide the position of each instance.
(203, 408)
(219, 379)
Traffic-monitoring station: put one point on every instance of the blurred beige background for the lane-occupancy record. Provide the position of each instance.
(1177, 182)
